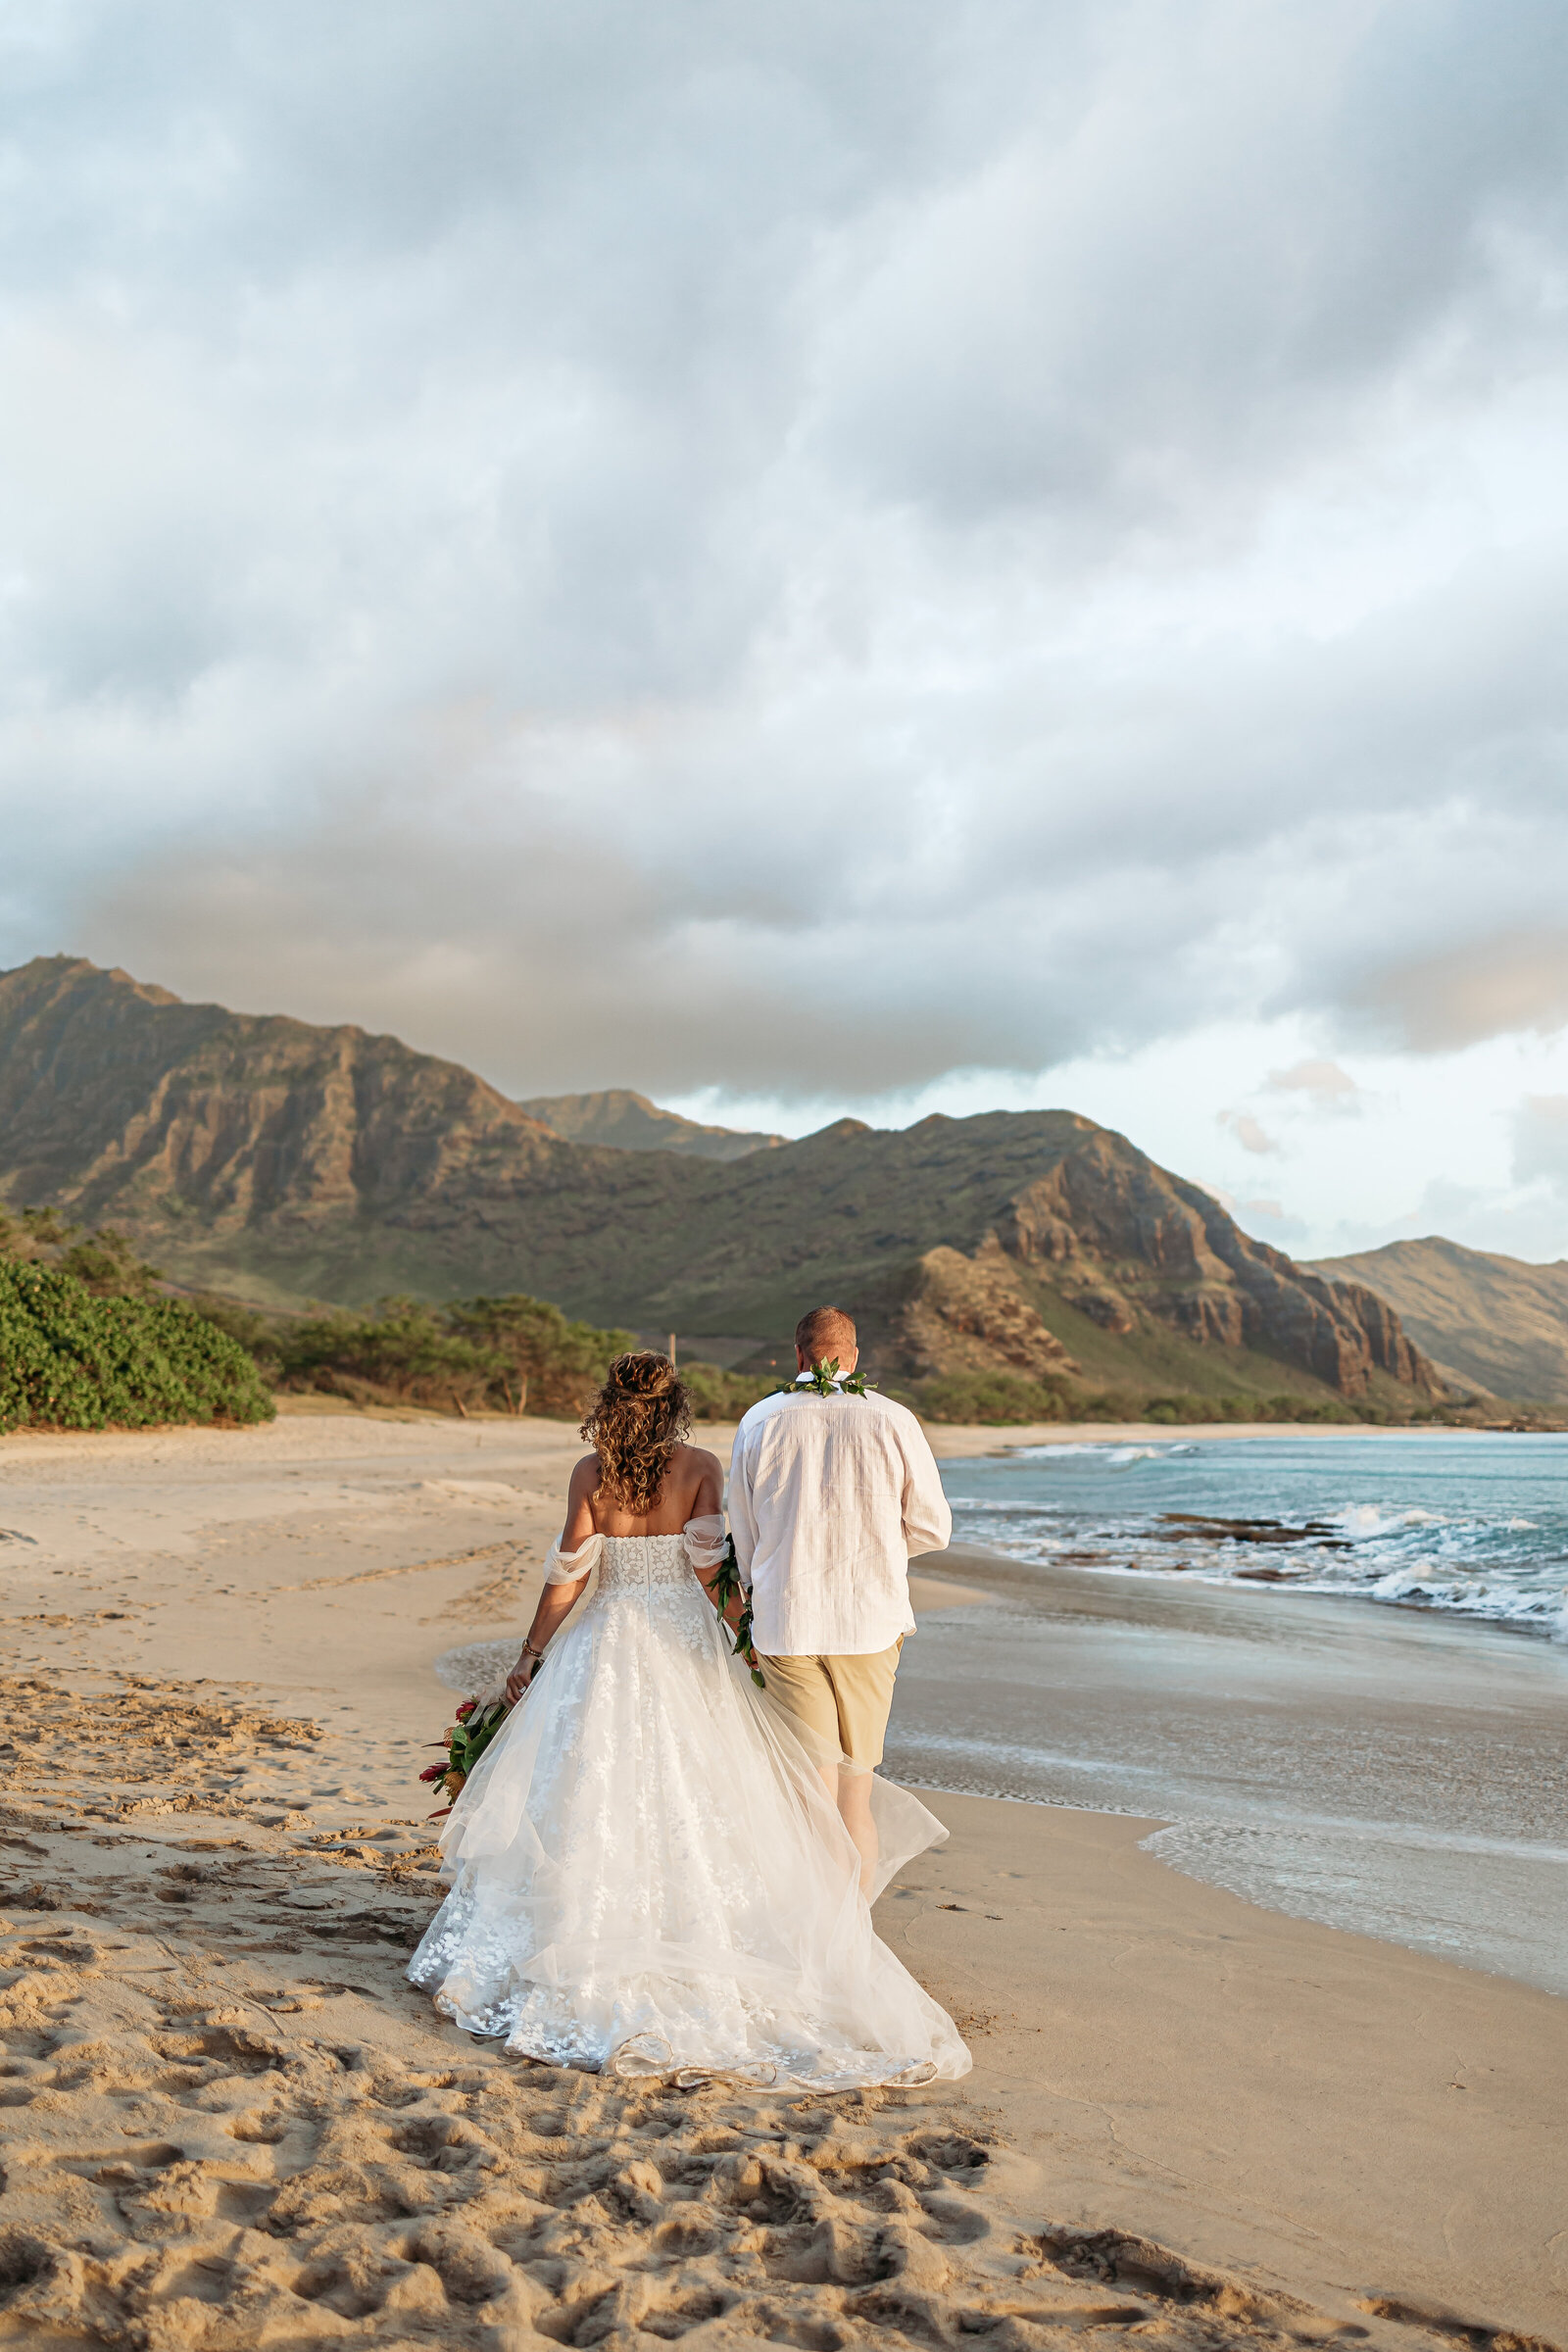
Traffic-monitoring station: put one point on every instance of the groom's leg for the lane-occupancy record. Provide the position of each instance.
(862, 1686)
(803, 1688)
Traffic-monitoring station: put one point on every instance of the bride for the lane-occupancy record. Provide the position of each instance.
(647, 1874)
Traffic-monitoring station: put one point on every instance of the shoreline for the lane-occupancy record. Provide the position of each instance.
(949, 1439)
(953, 1441)
(1293, 2110)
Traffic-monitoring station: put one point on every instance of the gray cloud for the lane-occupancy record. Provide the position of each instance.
(805, 552)
(1514, 980)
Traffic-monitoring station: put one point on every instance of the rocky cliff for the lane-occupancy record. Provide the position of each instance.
(118, 1100)
(263, 1156)
(1495, 1323)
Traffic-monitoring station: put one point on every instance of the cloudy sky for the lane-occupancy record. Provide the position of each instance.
(814, 558)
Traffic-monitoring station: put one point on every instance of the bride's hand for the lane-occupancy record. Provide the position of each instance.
(519, 1678)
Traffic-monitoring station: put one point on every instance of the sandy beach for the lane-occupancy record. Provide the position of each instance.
(231, 2122)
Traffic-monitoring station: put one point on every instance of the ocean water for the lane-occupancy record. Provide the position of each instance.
(1331, 1668)
(1475, 1525)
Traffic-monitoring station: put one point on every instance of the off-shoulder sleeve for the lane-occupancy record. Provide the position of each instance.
(570, 1567)
(705, 1539)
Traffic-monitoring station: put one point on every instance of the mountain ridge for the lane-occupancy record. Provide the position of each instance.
(259, 1152)
(619, 1119)
(1497, 1322)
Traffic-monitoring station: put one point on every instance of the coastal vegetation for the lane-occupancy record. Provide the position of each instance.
(520, 1355)
(512, 1355)
(85, 1341)
(1003, 1398)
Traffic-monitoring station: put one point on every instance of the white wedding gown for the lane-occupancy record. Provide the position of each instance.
(648, 1877)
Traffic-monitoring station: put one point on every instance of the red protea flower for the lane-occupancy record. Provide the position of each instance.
(434, 1772)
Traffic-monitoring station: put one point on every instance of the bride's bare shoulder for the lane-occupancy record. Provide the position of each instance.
(702, 1476)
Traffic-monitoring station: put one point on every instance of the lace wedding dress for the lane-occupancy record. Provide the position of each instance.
(647, 1874)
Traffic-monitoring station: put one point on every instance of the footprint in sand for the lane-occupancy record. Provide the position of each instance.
(219, 2155)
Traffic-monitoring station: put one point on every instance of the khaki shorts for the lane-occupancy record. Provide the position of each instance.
(843, 1703)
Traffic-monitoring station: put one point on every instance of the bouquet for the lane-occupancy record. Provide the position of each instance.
(465, 1743)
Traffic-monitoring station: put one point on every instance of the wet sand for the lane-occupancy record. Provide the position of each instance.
(1389, 1771)
(230, 2123)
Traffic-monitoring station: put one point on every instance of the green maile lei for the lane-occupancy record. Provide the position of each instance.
(824, 1381)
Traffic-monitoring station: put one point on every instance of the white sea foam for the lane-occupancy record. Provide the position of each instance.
(1425, 1531)
(1362, 1521)
(1492, 1903)
(1113, 1457)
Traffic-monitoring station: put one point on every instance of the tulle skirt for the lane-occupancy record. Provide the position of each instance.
(647, 1875)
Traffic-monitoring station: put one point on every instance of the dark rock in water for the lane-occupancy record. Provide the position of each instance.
(1189, 1526)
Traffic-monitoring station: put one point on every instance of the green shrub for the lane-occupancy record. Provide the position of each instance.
(105, 1261)
(106, 1264)
(259, 1334)
(990, 1397)
(514, 1355)
(719, 1395)
(999, 1397)
(401, 1352)
(69, 1360)
(545, 1363)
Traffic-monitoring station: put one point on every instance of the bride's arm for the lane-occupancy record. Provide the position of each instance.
(708, 1503)
(557, 1601)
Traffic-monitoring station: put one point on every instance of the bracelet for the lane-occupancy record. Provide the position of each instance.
(530, 1651)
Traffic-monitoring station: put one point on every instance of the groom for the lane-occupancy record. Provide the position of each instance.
(829, 1497)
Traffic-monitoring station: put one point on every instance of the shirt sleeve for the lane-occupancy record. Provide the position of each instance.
(927, 1519)
(742, 1518)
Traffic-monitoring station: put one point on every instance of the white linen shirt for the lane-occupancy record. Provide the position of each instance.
(829, 1499)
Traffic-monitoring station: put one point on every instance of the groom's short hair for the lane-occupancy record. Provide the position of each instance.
(825, 1332)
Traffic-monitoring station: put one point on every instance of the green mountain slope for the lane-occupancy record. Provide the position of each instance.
(1495, 1321)
(265, 1156)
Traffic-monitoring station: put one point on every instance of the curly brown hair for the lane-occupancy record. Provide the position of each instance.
(641, 1415)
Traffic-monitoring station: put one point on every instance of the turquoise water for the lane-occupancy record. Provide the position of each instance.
(1354, 1714)
(1473, 1525)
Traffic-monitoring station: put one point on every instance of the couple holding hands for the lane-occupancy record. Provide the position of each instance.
(658, 1867)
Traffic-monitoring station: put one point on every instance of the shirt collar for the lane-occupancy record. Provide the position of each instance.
(803, 1380)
